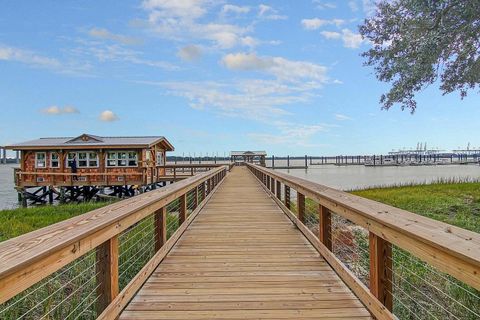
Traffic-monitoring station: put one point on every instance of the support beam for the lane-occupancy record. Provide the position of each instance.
(182, 214)
(301, 206)
(325, 227)
(160, 228)
(381, 270)
(287, 197)
(279, 190)
(107, 273)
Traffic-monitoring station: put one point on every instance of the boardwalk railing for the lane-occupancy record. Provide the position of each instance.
(94, 263)
(172, 172)
(392, 259)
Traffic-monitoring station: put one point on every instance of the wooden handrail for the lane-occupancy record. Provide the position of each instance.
(451, 249)
(27, 259)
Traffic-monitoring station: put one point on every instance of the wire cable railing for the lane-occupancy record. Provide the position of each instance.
(396, 267)
(76, 268)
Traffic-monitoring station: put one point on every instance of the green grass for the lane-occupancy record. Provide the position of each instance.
(454, 203)
(19, 221)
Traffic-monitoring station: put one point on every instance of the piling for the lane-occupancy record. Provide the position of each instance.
(273, 162)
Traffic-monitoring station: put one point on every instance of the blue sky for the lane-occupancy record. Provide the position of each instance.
(212, 76)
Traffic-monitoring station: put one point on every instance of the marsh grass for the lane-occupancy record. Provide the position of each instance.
(420, 291)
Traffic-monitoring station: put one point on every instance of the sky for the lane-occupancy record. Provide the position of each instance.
(211, 76)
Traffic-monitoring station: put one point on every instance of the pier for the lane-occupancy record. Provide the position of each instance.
(249, 243)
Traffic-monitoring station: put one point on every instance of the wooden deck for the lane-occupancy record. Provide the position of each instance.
(242, 258)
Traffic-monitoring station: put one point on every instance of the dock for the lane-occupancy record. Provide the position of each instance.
(250, 243)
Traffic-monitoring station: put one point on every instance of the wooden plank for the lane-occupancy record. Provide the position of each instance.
(182, 214)
(301, 207)
(451, 249)
(369, 300)
(118, 304)
(325, 227)
(160, 228)
(30, 258)
(381, 277)
(287, 196)
(107, 273)
(243, 258)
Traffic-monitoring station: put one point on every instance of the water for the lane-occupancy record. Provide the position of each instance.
(340, 177)
(8, 195)
(360, 177)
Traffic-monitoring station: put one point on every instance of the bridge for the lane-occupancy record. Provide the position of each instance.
(249, 243)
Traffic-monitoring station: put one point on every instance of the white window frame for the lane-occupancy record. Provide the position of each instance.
(117, 159)
(56, 160)
(87, 159)
(161, 157)
(44, 160)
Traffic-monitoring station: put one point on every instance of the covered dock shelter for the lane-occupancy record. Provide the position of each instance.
(256, 157)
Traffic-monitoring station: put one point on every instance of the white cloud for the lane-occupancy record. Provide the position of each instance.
(291, 133)
(235, 9)
(118, 53)
(283, 69)
(102, 33)
(55, 110)
(331, 34)
(353, 5)
(108, 116)
(254, 99)
(324, 5)
(182, 20)
(341, 117)
(269, 13)
(316, 23)
(190, 53)
(350, 39)
(13, 54)
(369, 7)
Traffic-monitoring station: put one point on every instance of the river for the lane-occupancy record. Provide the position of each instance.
(340, 177)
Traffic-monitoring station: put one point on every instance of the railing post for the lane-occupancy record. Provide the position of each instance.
(107, 273)
(287, 197)
(301, 206)
(203, 191)
(279, 190)
(325, 226)
(272, 185)
(160, 228)
(182, 214)
(268, 182)
(195, 197)
(381, 270)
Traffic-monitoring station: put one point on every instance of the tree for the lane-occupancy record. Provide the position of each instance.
(418, 42)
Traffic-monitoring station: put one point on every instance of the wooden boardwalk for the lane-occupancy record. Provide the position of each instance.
(242, 258)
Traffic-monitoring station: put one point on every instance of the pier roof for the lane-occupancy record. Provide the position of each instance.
(92, 141)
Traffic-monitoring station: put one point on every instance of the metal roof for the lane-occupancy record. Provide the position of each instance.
(88, 140)
(248, 153)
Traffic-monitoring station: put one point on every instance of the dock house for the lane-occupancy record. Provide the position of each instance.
(242, 157)
(123, 164)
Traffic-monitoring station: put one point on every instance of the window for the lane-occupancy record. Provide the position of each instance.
(40, 160)
(111, 159)
(54, 160)
(92, 159)
(122, 159)
(160, 159)
(132, 159)
(70, 157)
(84, 159)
